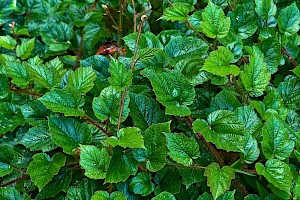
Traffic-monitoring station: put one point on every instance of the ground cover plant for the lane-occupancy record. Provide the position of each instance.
(149, 99)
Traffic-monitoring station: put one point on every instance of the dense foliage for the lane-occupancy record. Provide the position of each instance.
(149, 99)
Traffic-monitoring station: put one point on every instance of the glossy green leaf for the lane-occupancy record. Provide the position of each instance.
(84, 190)
(145, 111)
(107, 105)
(82, 80)
(94, 31)
(68, 133)
(18, 72)
(10, 117)
(224, 100)
(67, 101)
(250, 149)
(8, 42)
(290, 90)
(218, 63)
(219, 180)
(121, 166)
(276, 141)
(104, 195)
(289, 19)
(177, 12)
(127, 137)
(4, 86)
(141, 184)
(156, 150)
(94, 161)
(164, 196)
(43, 168)
(120, 76)
(38, 138)
(191, 175)
(215, 24)
(182, 149)
(276, 172)
(5, 169)
(6, 158)
(248, 116)
(255, 76)
(168, 179)
(10, 193)
(265, 9)
(24, 50)
(172, 90)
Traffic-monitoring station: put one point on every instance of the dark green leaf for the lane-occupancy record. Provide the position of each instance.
(10, 193)
(104, 195)
(18, 72)
(85, 190)
(141, 184)
(164, 196)
(265, 9)
(289, 19)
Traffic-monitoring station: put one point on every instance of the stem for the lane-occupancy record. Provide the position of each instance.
(289, 56)
(191, 166)
(215, 43)
(215, 154)
(15, 180)
(120, 28)
(22, 91)
(238, 87)
(123, 97)
(89, 119)
(93, 6)
(134, 16)
(79, 53)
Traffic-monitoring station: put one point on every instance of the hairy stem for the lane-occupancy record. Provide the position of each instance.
(90, 120)
(289, 57)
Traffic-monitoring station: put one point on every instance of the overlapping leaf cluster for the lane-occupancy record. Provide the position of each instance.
(204, 104)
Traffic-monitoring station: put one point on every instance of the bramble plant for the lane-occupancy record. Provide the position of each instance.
(149, 99)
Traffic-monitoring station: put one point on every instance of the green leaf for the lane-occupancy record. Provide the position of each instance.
(250, 149)
(252, 197)
(191, 175)
(10, 117)
(226, 130)
(68, 133)
(5, 169)
(276, 141)
(265, 9)
(180, 47)
(219, 180)
(177, 12)
(172, 90)
(255, 76)
(228, 195)
(4, 85)
(8, 42)
(66, 101)
(35, 112)
(168, 179)
(43, 168)
(296, 71)
(156, 150)
(145, 111)
(107, 105)
(94, 161)
(120, 76)
(164, 196)
(6, 158)
(121, 166)
(38, 138)
(290, 91)
(127, 137)
(248, 116)
(85, 190)
(60, 182)
(10, 193)
(224, 100)
(18, 72)
(141, 184)
(218, 63)
(82, 80)
(93, 32)
(289, 19)
(276, 172)
(104, 195)
(25, 49)
(215, 24)
(182, 149)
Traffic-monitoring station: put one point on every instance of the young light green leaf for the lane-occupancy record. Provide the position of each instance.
(156, 150)
(82, 80)
(218, 63)
(121, 166)
(94, 161)
(141, 184)
(265, 9)
(255, 76)
(177, 12)
(120, 76)
(68, 133)
(276, 141)
(38, 138)
(164, 196)
(8, 42)
(43, 168)
(172, 90)
(276, 172)
(18, 72)
(127, 137)
(25, 49)
(107, 105)
(66, 101)
(145, 111)
(104, 195)
(182, 149)
(219, 180)
(289, 19)
(215, 24)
